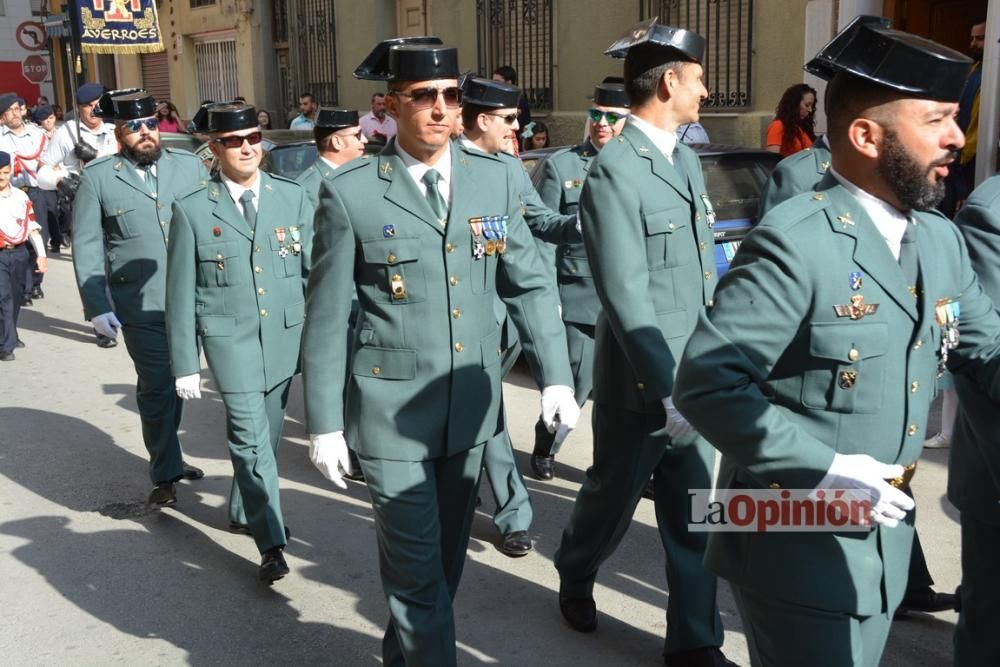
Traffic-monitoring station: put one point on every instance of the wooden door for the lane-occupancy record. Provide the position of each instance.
(945, 21)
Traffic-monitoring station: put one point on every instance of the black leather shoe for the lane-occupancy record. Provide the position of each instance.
(20, 343)
(243, 529)
(543, 466)
(37, 293)
(26, 301)
(6, 356)
(55, 249)
(708, 656)
(190, 472)
(163, 495)
(925, 600)
(580, 613)
(273, 565)
(355, 475)
(105, 342)
(516, 544)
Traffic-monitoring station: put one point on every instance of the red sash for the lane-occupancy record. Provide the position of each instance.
(20, 161)
(22, 234)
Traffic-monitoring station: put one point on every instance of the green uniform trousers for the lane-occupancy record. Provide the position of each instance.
(253, 426)
(156, 397)
(976, 639)
(423, 516)
(820, 638)
(580, 341)
(626, 453)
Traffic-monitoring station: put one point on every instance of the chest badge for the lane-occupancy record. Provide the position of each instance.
(388, 231)
(857, 309)
(216, 231)
(709, 211)
(946, 313)
(855, 280)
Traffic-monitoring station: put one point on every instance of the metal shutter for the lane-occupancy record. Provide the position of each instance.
(156, 75)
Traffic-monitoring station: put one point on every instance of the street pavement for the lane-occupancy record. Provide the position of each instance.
(91, 576)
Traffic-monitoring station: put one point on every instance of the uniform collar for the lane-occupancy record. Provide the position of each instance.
(889, 220)
(236, 190)
(663, 140)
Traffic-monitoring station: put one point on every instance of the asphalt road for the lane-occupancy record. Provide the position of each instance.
(92, 576)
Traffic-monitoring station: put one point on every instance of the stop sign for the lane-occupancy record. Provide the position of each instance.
(35, 69)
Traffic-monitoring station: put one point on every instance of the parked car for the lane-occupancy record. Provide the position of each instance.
(179, 140)
(734, 177)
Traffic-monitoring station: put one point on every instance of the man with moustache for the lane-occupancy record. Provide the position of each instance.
(559, 185)
(815, 369)
(339, 140)
(376, 125)
(646, 219)
(238, 259)
(431, 234)
(121, 222)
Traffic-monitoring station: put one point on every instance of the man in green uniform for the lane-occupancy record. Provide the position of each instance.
(797, 173)
(339, 140)
(238, 259)
(124, 201)
(646, 223)
(814, 370)
(559, 184)
(489, 117)
(974, 464)
(431, 234)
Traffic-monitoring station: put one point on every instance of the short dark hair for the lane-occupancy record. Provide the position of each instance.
(305, 95)
(320, 134)
(849, 97)
(508, 73)
(644, 69)
(980, 20)
(374, 95)
(470, 112)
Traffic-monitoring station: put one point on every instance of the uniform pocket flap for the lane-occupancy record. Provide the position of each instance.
(666, 221)
(128, 272)
(573, 266)
(848, 341)
(118, 207)
(391, 251)
(218, 251)
(216, 325)
(492, 349)
(385, 362)
(295, 314)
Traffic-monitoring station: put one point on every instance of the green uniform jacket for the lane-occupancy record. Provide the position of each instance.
(234, 288)
(560, 183)
(796, 174)
(651, 255)
(424, 380)
(113, 202)
(974, 464)
(312, 178)
(777, 381)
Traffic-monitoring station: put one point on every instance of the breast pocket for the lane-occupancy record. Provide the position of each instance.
(846, 367)
(218, 264)
(669, 242)
(396, 269)
(116, 219)
(571, 199)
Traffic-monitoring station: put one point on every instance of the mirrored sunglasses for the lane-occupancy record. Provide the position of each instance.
(612, 116)
(134, 125)
(427, 97)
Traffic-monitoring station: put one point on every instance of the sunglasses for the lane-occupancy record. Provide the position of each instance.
(135, 125)
(509, 118)
(357, 135)
(237, 141)
(424, 98)
(613, 116)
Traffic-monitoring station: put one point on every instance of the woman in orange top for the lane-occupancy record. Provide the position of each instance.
(792, 128)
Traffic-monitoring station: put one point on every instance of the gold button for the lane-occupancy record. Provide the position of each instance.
(818, 196)
(911, 430)
(702, 245)
(450, 247)
(260, 290)
(263, 312)
(391, 258)
(257, 269)
(774, 485)
(257, 249)
(120, 211)
(914, 386)
(453, 280)
(708, 274)
(219, 256)
(671, 226)
(456, 313)
(499, 351)
(459, 347)
(853, 354)
(711, 302)
(918, 344)
(572, 270)
(376, 370)
(159, 206)
(640, 386)
(163, 223)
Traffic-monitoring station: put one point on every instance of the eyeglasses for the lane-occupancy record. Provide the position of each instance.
(613, 116)
(135, 125)
(357, 135)
(509, 118)
(424, 98)
(237, 141)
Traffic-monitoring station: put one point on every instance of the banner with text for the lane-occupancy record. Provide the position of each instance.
(119, 26)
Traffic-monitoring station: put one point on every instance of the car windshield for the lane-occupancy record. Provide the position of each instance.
(735, 181)
(291, 160)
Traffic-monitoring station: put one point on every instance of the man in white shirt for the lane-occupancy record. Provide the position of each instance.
(376, 124)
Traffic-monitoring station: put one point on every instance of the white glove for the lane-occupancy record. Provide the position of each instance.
(328, 452)
(863, 473)
(677, 426)
(559, 410)
(106, 324)
(188, 386)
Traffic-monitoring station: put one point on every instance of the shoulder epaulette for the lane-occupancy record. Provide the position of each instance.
(101, 160)
(796, 209)
(197, 187)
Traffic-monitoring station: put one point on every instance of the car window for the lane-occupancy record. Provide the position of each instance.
(289, 161)
(735, 181)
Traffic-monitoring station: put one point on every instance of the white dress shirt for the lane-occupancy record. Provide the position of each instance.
(329, 164)
(890, 221)
(236, 191)
(663, 140)
(26, 144)
(417, 169)
(14, 208)
(60, 150)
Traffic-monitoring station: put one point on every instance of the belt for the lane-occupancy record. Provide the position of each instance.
(10, 246)
(903, 481)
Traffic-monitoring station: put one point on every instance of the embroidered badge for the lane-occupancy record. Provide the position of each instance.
(857, 309)
(388, 231)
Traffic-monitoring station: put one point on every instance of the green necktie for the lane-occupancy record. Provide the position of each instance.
(249, 212)
(908, 257)
(150, 179)
(434, 198)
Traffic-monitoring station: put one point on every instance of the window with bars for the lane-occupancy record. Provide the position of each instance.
(518, 33)
(216, 63)
(315, 54)
(727, 26)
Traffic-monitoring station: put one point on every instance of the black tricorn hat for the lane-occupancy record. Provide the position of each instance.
(105, 107)
(133, 105)
(229, 117)
(871, 51)
(489, 93)
(678, 43)
(336, 119)
(200, 121)
(383, 65)
(610, 95)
